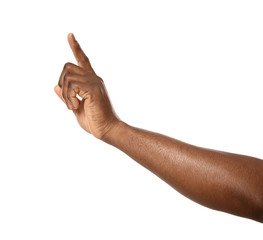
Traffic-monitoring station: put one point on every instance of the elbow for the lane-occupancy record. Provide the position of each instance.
(258, 217)
(254, 207)
(258, 213)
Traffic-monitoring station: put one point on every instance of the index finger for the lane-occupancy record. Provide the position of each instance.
(80, 56)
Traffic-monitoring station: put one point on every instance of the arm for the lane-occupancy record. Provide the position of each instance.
(223, 181)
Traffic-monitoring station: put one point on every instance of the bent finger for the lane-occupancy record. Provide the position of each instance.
(70, 68)
(64, 91)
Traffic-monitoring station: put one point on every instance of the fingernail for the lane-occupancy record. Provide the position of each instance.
(73, 36)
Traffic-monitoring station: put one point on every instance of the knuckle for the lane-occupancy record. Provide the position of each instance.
(71, 84)
(67, 65)
(100, 80)
(66, 77)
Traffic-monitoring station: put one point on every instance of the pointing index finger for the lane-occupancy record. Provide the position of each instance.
(80, 56)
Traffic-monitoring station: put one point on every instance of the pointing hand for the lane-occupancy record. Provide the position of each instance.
(94, 112)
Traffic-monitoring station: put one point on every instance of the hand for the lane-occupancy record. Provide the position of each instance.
(94, 112)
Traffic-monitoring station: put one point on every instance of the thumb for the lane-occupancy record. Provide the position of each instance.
(58, 91)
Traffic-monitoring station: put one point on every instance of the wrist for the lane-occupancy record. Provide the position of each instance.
(115, 133)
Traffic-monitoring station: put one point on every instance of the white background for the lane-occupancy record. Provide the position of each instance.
(188, 69)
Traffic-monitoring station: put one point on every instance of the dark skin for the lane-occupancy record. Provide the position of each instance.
(219, 180)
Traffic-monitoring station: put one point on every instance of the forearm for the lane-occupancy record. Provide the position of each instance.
(223, 181)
